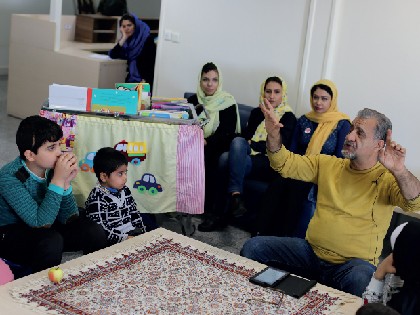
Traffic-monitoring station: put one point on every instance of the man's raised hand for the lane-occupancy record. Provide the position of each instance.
(392, 156)
(272, 125)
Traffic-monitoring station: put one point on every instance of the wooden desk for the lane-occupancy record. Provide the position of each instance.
(163, 272)
(96, 28)
(34, 65)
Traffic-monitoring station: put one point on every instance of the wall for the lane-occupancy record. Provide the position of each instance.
(7, 8)
(287, 38)
(369, 48)
(376, 64)
(254, 42)
(34, 63)
(145, 8)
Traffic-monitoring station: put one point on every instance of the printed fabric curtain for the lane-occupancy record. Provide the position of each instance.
(166, 162)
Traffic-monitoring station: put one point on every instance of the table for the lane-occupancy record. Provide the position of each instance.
(166, 273)
(166, 161)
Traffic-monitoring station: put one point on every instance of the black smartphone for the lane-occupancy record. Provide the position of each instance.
(295, 286)
(269, 277)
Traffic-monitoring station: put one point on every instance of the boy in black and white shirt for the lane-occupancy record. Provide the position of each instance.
(110, 202)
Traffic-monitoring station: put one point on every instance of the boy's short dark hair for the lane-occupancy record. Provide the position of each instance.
(376, 309)
(107, 160)
(34, 131)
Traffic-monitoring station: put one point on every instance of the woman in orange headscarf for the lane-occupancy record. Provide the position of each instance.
(323, 129)
(288, 205)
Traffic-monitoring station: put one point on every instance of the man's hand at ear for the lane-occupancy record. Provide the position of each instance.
(392, 156)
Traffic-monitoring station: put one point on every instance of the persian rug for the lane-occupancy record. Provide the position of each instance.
(163, 273)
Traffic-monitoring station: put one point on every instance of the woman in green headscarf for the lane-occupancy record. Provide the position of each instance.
(223, 124)
(247, 155)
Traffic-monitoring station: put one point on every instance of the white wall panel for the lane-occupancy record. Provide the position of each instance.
(377, 65)
(248, 40)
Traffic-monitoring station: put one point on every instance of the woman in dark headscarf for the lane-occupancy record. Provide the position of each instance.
(137, 46)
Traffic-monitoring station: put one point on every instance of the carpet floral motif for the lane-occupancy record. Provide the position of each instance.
(166, 277)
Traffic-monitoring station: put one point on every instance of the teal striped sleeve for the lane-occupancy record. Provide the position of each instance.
(68, 206)
(33, 210)
(59, 190)
(68, 191)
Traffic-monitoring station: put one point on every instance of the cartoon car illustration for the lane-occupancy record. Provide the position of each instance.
(148, 183)
(135, 152)
(86, 164)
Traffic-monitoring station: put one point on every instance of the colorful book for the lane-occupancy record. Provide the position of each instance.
(164, 114)
(114, 101)
(143, 90)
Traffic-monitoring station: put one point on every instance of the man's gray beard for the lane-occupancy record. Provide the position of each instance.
(348, 155)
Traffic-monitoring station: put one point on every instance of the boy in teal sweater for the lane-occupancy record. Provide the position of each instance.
(39, 218)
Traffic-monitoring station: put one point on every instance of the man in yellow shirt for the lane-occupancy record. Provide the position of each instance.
(356, 198)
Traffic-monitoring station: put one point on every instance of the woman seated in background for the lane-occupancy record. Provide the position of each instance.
(137, 46)
(247, 155)
(222, 126)
(322, 130)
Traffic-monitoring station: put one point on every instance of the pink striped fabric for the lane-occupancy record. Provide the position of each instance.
(190, 170)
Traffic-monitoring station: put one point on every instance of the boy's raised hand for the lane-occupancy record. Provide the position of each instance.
(65, 170)
(385, 267)
(72, 176)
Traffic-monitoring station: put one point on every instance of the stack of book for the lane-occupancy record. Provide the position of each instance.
(169, 107)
